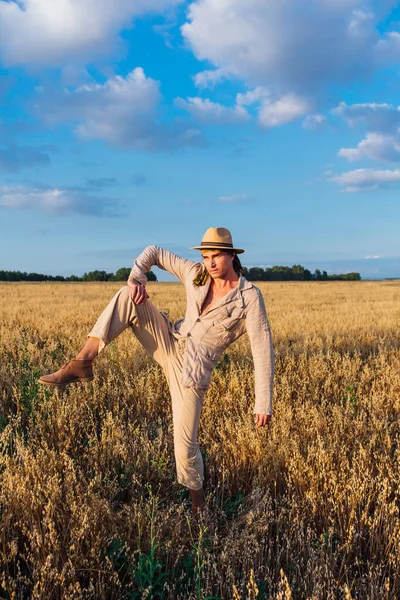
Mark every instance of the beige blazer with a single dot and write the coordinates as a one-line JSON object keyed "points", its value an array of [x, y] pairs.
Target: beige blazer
{"points": [[207, 336]]}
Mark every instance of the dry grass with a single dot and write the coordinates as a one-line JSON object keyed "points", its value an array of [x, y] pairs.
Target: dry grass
{"points": [[89, 506]]}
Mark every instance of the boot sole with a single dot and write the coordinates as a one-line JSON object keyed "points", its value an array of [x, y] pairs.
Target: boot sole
{"points": [[66, 383]]}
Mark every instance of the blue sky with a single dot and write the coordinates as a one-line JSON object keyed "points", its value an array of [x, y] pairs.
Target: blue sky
{"points": [[139, 122]]}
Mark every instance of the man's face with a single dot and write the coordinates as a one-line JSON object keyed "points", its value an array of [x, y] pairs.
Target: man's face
{"points": [[217, 263]]}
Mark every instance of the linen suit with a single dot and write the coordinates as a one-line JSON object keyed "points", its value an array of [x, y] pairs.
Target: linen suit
{"points": [[189, 349]]}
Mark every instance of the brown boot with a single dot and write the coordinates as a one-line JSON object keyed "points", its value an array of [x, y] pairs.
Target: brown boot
{"points": [[74, 370]]}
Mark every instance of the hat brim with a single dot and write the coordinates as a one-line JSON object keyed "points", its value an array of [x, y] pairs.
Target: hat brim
{"points": [[210, 246]]}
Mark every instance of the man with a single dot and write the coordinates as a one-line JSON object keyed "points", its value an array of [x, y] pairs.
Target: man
{"points": [[221, 306]]}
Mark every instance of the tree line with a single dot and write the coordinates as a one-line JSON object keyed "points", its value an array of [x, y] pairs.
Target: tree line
{"points": [[295, 273], [121, 275], [277, 273]]}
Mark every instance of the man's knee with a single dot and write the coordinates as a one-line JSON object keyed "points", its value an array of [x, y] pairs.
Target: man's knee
{"points": [[125, 296], [125, 292]]}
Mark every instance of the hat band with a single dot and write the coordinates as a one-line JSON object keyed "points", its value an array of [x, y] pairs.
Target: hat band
{"points": [[208, 244]]}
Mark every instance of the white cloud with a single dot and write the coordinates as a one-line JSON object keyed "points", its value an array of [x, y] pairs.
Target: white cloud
{"points": [[366, 179], [382, 140], [259, 95], [209, 78], [122, 111], [58, 32], [314, 122], [289, 53], [287, 46], [271, 111], [383, 118], [352, 154], [233, 198], [372, 257], [388, 49], [375, 147], [56, 201], [286, 109], [118, 110], [209, 112]]}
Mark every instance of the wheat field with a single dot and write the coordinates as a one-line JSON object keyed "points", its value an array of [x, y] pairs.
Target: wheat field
{"points": [[308, 509]]}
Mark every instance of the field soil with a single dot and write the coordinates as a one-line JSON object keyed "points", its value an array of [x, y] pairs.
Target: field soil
{"points": [[306, 509]]}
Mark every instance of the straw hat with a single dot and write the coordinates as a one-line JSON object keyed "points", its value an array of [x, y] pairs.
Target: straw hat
{"points": [[217, 238]]}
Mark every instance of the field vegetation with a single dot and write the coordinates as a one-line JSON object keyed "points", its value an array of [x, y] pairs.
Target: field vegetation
{"points": [[89, 504]]}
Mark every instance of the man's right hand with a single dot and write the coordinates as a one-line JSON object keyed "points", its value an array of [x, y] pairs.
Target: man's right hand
{"points": [[138, 293]]}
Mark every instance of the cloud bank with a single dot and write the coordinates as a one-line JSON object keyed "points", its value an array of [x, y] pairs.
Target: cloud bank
{"points": [[380, 144], [366, 179], [208, 112], [288, 53], [122, 111], [57, 201], [59, 32], [291, 46]]}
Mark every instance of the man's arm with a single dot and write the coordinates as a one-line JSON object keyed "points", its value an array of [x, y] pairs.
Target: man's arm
{"points": [[168, 261], [263, 357]]}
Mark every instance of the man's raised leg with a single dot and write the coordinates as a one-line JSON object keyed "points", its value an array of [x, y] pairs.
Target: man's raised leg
{"points": [[119, 314]]}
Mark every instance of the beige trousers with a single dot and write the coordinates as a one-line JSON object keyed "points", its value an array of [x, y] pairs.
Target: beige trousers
{"points": [[151, 329]]}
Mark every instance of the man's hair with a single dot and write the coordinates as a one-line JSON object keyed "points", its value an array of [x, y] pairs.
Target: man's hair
{"points": [[237, 265]]}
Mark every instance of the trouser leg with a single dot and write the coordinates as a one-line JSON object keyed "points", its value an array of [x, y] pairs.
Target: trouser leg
{"points": [[187, 404], [146, 321], [189, 462]]}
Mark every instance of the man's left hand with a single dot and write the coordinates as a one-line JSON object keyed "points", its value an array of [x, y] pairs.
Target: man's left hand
{"points": [[262, 420]]}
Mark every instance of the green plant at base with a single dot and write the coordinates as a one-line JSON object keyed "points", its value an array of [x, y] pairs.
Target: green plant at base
{"points": [[149, 576]]}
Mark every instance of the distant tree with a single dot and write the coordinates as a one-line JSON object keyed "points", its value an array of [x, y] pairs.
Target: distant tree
{"points": [[23, 276], [36, 277], [307, 275], [317, 275], [298, 272], [123, 274], [256, 273], [346, 277], [281, 273], [13, 276], [97, 276]]}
